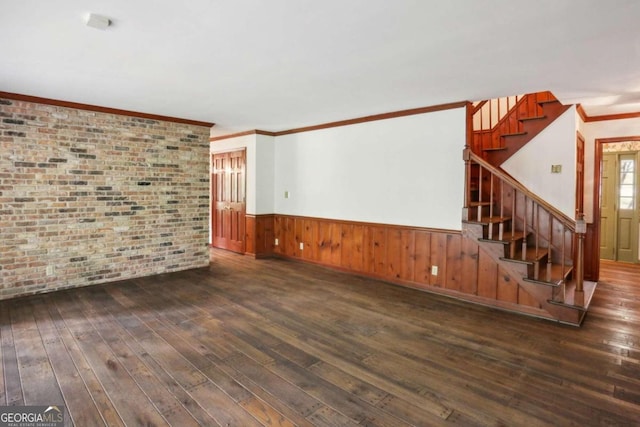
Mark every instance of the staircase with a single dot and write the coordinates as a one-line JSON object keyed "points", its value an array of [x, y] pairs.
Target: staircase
{"points": [[529, 240], [537, 245], [518, 124]]}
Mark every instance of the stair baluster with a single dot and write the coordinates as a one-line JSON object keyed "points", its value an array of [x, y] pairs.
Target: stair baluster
{"points": [[501, 225], [512, 246], [491, 205], [550, 240], [480, 194], [524, 230]]}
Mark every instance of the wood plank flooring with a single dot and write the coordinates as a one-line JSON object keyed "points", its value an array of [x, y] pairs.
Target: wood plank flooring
{"points": [[277, 343]]}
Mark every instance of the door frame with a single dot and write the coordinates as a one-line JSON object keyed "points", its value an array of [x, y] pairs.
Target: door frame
{"points": [[213, 195], [597, 183]]}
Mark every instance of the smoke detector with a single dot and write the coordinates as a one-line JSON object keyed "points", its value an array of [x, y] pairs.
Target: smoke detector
{"points": [[98, 21]]}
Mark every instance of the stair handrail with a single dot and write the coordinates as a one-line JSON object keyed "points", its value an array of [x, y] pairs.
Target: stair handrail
{"points": [[477, 107], [566, 220]]}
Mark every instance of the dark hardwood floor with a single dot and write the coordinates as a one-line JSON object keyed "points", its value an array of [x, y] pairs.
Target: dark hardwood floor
{"points": [[270, 342]]}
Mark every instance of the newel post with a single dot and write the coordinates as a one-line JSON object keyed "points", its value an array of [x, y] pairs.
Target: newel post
{"points": [[467, 182], [466, 156], [581, 230]]}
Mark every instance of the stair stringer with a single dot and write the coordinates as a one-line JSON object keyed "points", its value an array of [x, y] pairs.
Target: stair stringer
{"points": [[518, 271]]}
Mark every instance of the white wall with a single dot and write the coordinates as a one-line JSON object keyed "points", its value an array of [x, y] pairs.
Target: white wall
{"points": [[265, 170], [598, 130], [406, 171], [531, 165]]}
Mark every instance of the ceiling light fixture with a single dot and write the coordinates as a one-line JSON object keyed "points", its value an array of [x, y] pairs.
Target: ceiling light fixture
{"points": [[98, 21]]}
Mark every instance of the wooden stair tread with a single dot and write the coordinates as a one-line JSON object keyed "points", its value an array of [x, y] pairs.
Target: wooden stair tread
{"points": [[548, 101], [531, 255], [507, 237], [510, 236], [570, 292], [476, 204], [526, 119], [556, 274], [486, 220], [494, 149], [513, 134], [495, 219]]}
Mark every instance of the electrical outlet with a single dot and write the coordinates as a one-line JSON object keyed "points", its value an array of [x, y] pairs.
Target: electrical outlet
{"points": [[50, 270], [556, 168], [276, 241], [286, 194], [434, 270], [301, 246]]}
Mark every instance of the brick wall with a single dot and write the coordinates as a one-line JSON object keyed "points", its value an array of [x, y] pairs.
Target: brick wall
{"points": [[89, 197]]}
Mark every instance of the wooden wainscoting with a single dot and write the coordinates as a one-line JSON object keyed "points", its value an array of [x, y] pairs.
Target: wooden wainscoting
{"points": [[259, 235], [399, 254]]}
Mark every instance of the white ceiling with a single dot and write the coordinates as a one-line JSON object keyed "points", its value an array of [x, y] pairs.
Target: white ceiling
{"points": [[281, 64]]}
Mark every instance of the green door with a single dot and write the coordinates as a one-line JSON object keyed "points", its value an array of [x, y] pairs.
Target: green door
{"points": [[627, 234], [619, 207]]}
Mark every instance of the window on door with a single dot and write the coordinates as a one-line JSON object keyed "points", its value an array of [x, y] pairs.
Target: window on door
{"points": [[627, 190]]}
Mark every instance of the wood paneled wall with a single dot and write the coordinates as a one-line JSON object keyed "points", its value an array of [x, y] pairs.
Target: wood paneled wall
{"points": [[259, 235], [400, 254]]}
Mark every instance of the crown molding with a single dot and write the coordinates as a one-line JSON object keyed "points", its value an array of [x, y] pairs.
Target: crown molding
{"points": [[605, 117], [581, 112], [239, 134], [375, 117], [107, 110]]}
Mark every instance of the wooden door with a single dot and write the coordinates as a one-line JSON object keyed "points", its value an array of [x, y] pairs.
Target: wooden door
{"points": [[228, 200], [627, 222], [607, 207]]}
